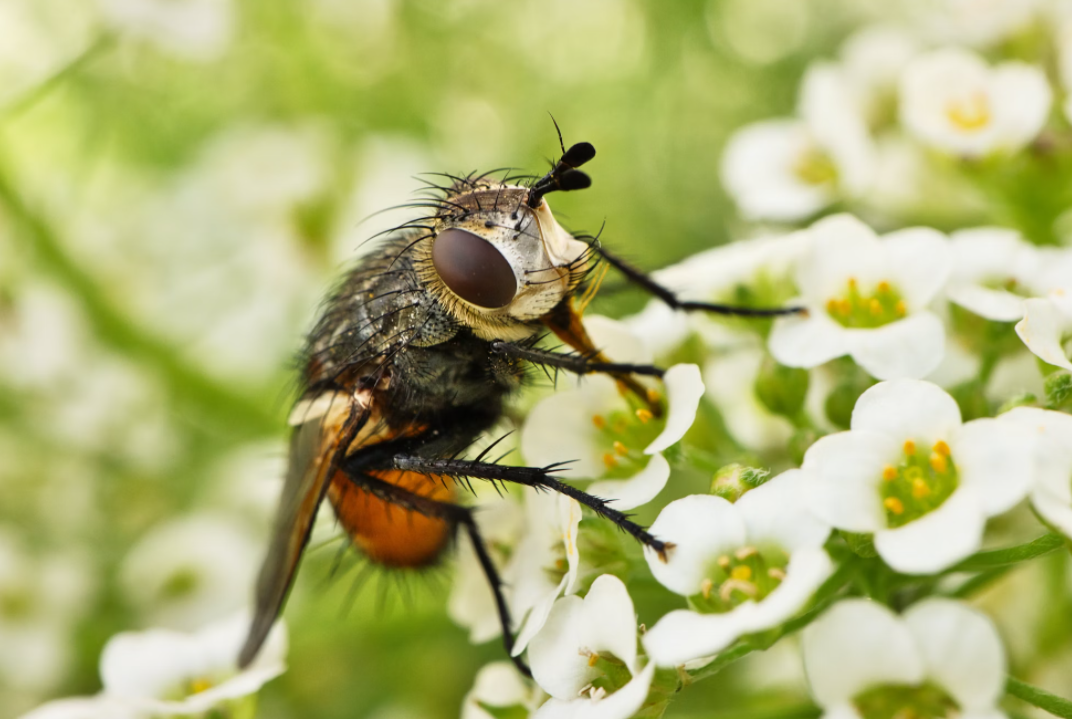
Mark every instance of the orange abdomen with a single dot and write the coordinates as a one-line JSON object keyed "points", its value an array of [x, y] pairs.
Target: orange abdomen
{"points": [[388, 534]]}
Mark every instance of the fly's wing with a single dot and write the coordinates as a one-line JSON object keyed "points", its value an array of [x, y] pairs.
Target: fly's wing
{"points": [[325, 431]]}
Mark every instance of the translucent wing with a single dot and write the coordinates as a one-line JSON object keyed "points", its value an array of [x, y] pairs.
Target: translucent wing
{"points": [[325, 428]]}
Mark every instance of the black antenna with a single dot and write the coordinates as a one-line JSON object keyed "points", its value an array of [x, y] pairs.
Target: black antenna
{"points": [[564, 176]]}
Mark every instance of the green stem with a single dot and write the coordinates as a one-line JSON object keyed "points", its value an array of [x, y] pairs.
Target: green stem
{"points": [[228, 410], [30, 98], [1058, 706], [994, 558]]}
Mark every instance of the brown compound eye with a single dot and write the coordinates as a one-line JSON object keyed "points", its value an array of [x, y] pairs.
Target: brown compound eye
{"points": [[473, 269]]}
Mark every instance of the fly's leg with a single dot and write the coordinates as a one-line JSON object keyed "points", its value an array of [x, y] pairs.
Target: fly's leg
{"points": [[576, 363], [537, 477], [455, 515], [644, 281]]}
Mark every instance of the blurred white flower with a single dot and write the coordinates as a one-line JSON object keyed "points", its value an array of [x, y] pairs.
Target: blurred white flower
{"points": [[786, 170], [609, 435], [36, 38], [95, 707], [867, 298], [911, 473], [730, 378], [191, 570], [993, 270], [585, 656], [191, 29], [248, 481], [952, 101], [972, 22], [745, 567], [1047, 328], [44, 337], [1051, 494], [500, 686], [872, 59], [162, 672], [939, 657], [545, 564]]}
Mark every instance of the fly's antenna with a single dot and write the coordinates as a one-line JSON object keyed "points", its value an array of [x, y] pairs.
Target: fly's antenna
{"points": [[564, 176]]}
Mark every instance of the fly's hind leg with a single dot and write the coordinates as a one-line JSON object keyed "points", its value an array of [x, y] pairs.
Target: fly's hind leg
{"points": [[643, 280], [537, 477], [456, 515], [576, 363]]}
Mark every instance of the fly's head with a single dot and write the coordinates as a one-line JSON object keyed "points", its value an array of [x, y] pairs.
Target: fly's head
{"points": [[498, 260]]}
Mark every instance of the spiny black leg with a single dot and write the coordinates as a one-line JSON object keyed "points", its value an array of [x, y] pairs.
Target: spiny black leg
{"points": [[456, 515], [576, 363], [538, 477], [641, 279]]}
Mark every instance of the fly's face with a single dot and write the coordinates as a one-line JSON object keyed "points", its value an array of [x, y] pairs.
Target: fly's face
{"points": [[497, 263]]}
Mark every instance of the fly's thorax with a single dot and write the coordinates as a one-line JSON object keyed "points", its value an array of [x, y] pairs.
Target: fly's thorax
{"points": [[496, 264]]}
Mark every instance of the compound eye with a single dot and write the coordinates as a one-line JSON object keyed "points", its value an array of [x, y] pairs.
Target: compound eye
{"points": [[473, 269]]}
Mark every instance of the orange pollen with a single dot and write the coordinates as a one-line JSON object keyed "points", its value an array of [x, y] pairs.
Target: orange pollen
{"points": [[894, 505], [909, 447], [852, 283], [653, 395], [644, 415], [875, 307], [610, 460], [883, 287], [742, 572], [939, 463], [900, 308], [940, 447], [889, 473], [620, 449], [592, 659], [919, 489], [599, 421], [845, 307]]}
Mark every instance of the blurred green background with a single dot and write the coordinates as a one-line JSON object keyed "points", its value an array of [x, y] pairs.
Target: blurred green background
{"points": [[177, 191]]}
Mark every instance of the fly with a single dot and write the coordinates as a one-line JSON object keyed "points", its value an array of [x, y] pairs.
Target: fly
{"points": [[414, 357]]}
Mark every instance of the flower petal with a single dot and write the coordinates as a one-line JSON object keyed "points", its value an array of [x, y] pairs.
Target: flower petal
{"points": [[683, 635], [920, 261], [807, 341], [622, 704], [846, 469], [684, 388], [776, 512], [938, 539], [611, 623], [702, 527], [617, 340], [996, 459], [856, 645], [560, 428], [1042, 329], [911, 347], [639, 489], [907, 409], [556, 664], [961, 650], [997, 305]]}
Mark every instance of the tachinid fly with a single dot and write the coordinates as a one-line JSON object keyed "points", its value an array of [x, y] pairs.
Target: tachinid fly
{"points": [[412, 360]]}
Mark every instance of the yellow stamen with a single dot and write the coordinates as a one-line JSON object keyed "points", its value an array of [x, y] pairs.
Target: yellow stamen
{"points": [[969, 114], [844, 307], [939, 463], [610, 460], [724, 562], [620, 448], [920, 489], [705, 588], [599, 421], [592, 659], [731, 585], [742, 572], [883, 287], [775, 573], [746, 552], [909, 447], [889, 473], [900, 308], [644, 415], [832, 305], [941, 447], [199, 685], [894, 505], [654, 395], [875, 307], [852, 283]]}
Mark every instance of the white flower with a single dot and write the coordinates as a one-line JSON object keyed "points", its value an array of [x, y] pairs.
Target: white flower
{"points": [[730, 379], [610, 436], [1047, 328], [37, 37], [191, 29], [867, 298], [497, 685], [164, 672], [786, 170], [872, 59], [585, 656], [191, 570], [972, 22], [993, 269], [745, 567], [96, 707], [912, 474], [940, 657], [952, 101], [1051, 494]]}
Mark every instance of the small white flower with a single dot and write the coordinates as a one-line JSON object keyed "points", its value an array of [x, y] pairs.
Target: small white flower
{"points": [[164, 672], [1046, 328], [786, 170], [940, 657], [497, 685], [978, 23], [745, 567], [993, 269], [1051, 494], [952, 101], [872, 59], [96, 707], [867, 298], [585, 656], [191, 570], [608, 435], [191, 29], [730, 379], [911, 473]]}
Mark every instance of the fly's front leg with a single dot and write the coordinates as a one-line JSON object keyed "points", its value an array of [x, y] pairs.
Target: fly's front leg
{"points": [[455, 515], [537, 477], [643, 280], [576, 363]]}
